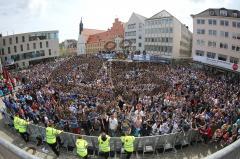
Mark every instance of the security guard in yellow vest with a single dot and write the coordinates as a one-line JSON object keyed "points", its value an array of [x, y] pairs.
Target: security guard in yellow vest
{"points": [[22, 128], [128, 145], [16, 122], [51, 134], [104, 145], [82, 145]]}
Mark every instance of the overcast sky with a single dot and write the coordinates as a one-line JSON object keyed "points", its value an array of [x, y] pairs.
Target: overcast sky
{"points": [[20, 16]]}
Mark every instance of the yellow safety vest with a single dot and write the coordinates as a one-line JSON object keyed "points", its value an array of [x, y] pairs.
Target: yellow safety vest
{"points": [[51, 135], [81, 147], [104, 146], [16, 122], [22, 125], [128, 143]]}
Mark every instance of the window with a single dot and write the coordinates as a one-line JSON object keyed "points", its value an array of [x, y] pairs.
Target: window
{"points": [[10, 41], [28, 47], [200, 21], [4, 42], [200, 31], [234, 24], [49, 52], [238, 24], [46, 43], [233, 47], [224, 34], [40, 44], [23, 63], [234, 60], [5, 58], [235, 15], [23, 39], [200, 42], [9, 50], [222, 57], [16, 40], [34, 45], [212, 22], [212, 32], [15, 49], [212, 12], [223, 45], [131, 26], [211, 55], [224, 23], [236, 36], [212, 44], [199, 53], [3, 51], [139, 44], [223, 13], [21, 47]]}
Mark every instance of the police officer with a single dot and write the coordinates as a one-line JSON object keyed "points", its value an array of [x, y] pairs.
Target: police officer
{"points": [[128, 144], [51, 134], [22, 128], [16, 120], [104, 145], [82, 145]]}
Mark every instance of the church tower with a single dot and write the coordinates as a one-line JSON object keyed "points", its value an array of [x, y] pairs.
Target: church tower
{"points": [[81, 45]]}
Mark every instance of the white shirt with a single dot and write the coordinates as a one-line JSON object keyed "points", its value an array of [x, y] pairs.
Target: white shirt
{"points": [[113, 123], [164, 129], [139, 112], [155, 129], [72, 109]]}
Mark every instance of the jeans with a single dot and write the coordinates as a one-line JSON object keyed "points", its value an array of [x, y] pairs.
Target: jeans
{"points": [[54, 148], [112, 133], [128, 155], [25, 136], [104, 155]]}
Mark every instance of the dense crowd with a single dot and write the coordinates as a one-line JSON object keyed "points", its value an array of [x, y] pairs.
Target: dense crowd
{"points": [[7, 83], [89, 95]]}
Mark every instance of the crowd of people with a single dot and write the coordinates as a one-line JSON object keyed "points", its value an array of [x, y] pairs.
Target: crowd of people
{"points": [[89, 95], [7, 83]]}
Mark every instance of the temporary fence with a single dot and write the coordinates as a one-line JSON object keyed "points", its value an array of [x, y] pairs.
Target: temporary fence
{"points": [[142, 145]]}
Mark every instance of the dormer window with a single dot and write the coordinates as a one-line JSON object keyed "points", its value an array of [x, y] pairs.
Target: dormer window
{"points": [[211, 12], [235, 15], [223, 13]]}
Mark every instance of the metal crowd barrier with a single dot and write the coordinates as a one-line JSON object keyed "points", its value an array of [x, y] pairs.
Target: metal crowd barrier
{"points": [[142, 144]]}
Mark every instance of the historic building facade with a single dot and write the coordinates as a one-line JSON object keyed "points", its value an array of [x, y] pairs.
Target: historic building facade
{"points": [[96, 42]]}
